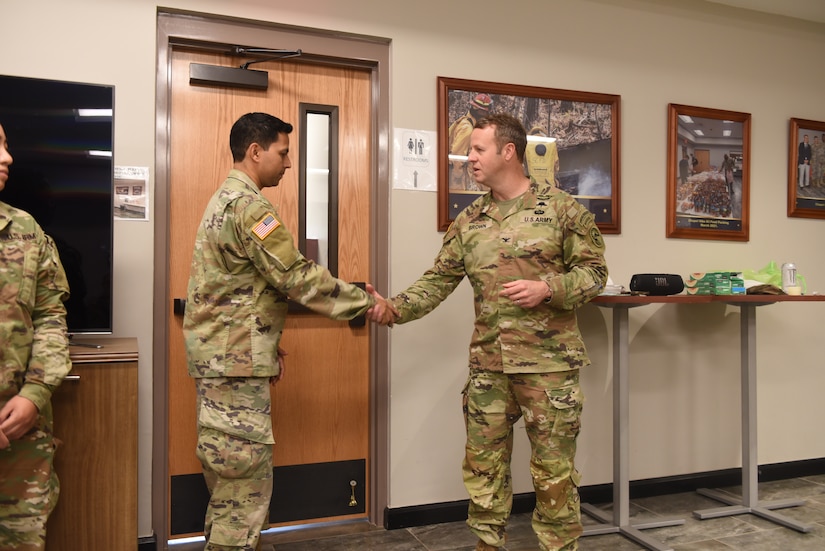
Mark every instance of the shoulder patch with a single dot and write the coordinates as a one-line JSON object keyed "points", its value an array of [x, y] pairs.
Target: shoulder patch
{"points": [[596, 237], [265, 226], [451, 232]]}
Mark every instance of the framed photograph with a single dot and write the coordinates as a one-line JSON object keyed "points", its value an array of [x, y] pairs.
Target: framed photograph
{"points": [[806, 169], [708, 173], [572, 142]]}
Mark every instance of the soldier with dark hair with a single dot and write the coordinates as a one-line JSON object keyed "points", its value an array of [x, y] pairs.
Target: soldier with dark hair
{"points": [[244, 269], [34, 360], [533, 255], [683, 169], [804, 154]]}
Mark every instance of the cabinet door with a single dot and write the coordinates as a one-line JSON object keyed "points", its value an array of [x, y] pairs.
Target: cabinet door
{"points": [[95, 419]]}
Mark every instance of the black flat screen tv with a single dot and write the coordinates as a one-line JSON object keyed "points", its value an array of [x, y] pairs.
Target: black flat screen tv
{"points": [[61, 137]]}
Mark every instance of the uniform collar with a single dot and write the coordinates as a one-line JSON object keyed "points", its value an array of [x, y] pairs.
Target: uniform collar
{"points": [[5, 216], [528, 201], [243, 177]]}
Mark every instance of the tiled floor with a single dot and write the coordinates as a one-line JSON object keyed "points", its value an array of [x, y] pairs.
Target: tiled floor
{"points": [[743, 532]]}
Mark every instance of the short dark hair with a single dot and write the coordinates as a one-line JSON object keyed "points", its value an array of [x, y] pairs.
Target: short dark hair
{"points": [[260, 128], [508, 130]]}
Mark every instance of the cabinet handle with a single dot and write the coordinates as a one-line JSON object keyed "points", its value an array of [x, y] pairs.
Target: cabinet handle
{"points": [[71, 378]]}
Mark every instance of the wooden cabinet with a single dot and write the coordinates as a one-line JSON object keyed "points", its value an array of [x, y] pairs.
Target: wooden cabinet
{"points": [[95, 418]]}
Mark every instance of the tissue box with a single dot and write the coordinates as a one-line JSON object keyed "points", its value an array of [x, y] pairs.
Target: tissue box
{"points": [[714, 283]]}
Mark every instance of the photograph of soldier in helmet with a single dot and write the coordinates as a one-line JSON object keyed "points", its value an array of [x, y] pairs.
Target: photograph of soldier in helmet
{"points": [[569, 145], [459, 138]]}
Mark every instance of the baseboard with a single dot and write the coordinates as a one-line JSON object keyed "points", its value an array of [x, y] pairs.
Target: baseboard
{"points": [[316, 490], [437, 513], [148, 543]]}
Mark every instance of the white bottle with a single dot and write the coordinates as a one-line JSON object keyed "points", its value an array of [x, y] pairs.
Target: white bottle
{"points": [[789, 277]]}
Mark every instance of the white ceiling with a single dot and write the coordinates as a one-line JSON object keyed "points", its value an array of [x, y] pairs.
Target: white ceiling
{"points": [[807, 10]]}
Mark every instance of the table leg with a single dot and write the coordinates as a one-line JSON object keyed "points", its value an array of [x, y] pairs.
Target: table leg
{"points": [[620, 521], [749, 502]]}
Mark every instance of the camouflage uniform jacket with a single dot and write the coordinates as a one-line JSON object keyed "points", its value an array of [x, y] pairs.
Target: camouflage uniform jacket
{"points": [[244, 267], [546, 236], [34, 354]]}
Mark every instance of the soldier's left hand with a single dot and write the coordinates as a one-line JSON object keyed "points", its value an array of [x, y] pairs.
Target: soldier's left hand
{"points": [[281, 366], [526, 293]]}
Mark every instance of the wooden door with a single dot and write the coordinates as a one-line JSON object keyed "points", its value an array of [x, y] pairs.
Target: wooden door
{"points": [[321, 407], [703, 156]]}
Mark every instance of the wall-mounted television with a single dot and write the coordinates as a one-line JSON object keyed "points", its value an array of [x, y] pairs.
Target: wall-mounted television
{"points": [[61, 136]]}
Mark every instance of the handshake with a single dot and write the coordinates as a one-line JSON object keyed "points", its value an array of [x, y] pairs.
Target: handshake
{"points": [[383, 312]]}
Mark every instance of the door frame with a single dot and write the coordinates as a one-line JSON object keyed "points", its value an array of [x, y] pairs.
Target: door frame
{"points": [[210, 32]]}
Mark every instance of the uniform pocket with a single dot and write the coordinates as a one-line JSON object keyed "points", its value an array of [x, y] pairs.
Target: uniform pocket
{"points": [[230, 535], [236, 406], [231, 457], [21, 283], [567, 401]]}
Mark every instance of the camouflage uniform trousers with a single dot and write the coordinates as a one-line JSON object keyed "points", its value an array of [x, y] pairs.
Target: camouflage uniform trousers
{"points": [[233, 418], [29, 488], [551, 405]]}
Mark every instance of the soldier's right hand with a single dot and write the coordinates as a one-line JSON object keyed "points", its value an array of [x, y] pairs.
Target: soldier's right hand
{"points": [[383, 312]]}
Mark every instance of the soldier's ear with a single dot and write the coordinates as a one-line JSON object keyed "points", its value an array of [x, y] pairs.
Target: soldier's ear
{"points": [[253, 152], [509, 150]]}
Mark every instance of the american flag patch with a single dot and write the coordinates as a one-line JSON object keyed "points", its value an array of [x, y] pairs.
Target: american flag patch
{"points": [[265, 226]]}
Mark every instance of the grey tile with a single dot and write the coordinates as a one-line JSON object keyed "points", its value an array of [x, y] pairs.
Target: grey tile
{"points": [[704, 545], [609, 542], [529, 545], [776, 539], [695, 530], [681, 504], [816, 479], [319, 531], [635, 512], [520, 529], [811, 512], [446, 536], [740, 532], [791, 488], [381, 540]]}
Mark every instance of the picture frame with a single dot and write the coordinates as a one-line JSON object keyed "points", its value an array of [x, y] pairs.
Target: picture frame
{"points": [[708, 173], [806, 182], [573, 141]]}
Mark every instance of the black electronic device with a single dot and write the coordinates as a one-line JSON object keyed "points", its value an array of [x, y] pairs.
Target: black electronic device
{"points": [[657, 284], [61, 137]]}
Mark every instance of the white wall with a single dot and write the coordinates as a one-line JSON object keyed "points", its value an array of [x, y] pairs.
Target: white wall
{"points": [[685, 378]]}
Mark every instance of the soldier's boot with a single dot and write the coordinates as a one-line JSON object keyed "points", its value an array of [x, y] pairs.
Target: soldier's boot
{"points": [[482, 546]]}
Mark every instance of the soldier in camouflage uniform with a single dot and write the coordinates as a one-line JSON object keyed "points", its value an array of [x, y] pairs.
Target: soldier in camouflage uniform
{"points": [[533, 255], [244, 268], [34, 359]]}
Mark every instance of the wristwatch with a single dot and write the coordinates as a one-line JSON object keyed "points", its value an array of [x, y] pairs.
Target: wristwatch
{"points": [[549, 297]]}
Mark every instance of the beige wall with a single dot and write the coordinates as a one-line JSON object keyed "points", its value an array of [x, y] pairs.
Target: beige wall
{"points": [[685, 378]]}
